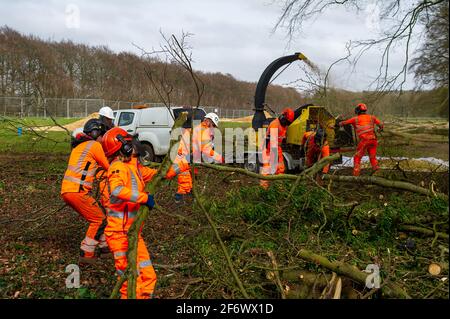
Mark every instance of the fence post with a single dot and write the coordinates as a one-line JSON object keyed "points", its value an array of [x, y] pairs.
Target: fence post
{"points": [[21, 107], [45, 108], [67, 108], [85, 108]]}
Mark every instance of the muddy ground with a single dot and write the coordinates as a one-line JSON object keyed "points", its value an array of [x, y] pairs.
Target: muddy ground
{"points": [[40, 236]]}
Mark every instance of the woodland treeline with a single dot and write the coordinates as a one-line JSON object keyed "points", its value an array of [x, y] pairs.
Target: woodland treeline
{"points": [[33, 67], [30, 66]]}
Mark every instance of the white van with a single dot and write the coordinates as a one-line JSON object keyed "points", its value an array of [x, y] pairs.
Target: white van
{"points": [[153, 126]]}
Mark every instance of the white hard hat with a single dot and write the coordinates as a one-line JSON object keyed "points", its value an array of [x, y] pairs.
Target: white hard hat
{"points": [[106, 111], [213, 117]]}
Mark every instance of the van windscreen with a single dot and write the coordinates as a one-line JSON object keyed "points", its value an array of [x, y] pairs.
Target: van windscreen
{"points": [[199, 114]]}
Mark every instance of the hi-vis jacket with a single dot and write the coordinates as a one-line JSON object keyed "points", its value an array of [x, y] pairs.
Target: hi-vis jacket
{"points": [[202, 141], [281, 130], [364, 125], [182, 159], [83, 163], [126, 182]]}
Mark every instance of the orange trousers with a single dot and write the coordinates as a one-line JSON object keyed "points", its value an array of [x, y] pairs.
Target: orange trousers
{"points": [[371, 147], [271, 165], [146, 281], [88, 207], [184, 178]]}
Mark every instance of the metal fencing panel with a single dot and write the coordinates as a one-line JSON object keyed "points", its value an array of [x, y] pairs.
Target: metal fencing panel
{"points": [[79, 108]]}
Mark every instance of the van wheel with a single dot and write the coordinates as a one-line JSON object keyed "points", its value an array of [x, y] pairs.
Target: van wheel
{"points": [[149, 154]]}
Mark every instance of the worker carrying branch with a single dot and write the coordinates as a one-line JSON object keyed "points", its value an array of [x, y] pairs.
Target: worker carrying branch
{"points": [[86, 156], [364, 125], [126, 183], [272, 153], [202, 147], [316, 147]]}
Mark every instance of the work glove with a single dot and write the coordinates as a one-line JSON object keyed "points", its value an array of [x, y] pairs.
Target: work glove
{"points": [[150, 201]]}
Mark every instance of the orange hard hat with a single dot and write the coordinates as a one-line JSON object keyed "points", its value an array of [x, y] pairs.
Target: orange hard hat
{"points": [[288, 114], [110, 141], [362, 107]]}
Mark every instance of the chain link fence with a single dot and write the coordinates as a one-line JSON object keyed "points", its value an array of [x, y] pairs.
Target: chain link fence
{"points": [[78, 108]]}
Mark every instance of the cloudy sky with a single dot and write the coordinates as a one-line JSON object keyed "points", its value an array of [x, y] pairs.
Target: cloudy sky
{"points": [[229, 36]]}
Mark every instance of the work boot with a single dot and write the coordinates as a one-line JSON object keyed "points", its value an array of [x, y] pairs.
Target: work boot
{"points": [[375, 171], [104, 252], [87, 260], [179, 198]]}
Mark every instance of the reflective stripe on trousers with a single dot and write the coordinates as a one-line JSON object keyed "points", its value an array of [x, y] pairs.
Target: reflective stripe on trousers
{"points": [[77, 180], [117, 214]]}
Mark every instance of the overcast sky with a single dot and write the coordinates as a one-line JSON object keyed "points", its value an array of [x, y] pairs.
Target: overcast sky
{"points": [[229, 36]]}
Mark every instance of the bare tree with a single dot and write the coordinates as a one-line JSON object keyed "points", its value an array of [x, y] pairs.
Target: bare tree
{"points": [[400, 23]]}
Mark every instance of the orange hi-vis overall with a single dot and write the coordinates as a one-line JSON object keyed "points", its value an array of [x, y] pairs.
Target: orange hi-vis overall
{"points": [[272, 154], [364, 125], [77, 183], [203, 144], [314, 152], [126, 182], [180, 166]]}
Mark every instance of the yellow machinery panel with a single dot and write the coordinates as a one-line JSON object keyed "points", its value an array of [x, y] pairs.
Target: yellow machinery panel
{"points": [[308, 121]]}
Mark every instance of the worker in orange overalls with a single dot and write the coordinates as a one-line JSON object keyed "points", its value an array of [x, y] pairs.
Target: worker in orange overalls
{"points": [[180, 167], [316, 147], [364, 125], [272, 153], [87, 154], [202, 146], [126, 182]]}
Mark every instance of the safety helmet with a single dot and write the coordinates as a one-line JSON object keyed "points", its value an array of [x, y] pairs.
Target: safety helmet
{"points": [[361, 108], [288, 114], [94, 128], [116, 139], [106, 111], [213, 117]]}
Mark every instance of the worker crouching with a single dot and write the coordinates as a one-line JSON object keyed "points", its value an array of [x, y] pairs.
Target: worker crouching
{"points": [[126, 180], [86, 156], [316, 147]]}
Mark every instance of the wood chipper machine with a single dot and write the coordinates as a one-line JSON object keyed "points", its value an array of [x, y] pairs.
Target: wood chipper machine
{"points": [[308, 117]]}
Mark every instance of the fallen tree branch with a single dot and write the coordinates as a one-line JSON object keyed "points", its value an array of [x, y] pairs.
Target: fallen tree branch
{"points": [[276, 274], [222, 245], [317, 167], [385, 183], [349, 271], [424, 231]]}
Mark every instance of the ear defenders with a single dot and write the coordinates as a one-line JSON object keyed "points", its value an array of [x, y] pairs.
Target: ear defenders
{"points": [[127, 146]]}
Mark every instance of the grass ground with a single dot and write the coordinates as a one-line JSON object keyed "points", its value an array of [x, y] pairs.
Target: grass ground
{"points": [[39, 238]]}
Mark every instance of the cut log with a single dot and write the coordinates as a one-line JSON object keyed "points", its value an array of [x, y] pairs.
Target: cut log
{"points": [[434, 269]]}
